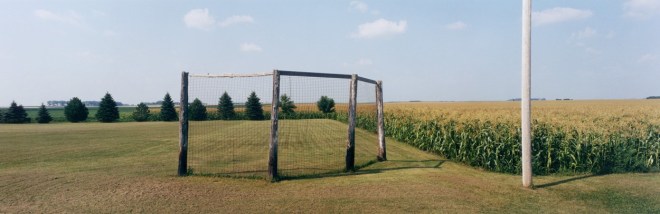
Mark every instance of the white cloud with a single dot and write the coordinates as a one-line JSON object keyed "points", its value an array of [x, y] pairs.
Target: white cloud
{"points": [[232, 20], [364, 62], [641, 8], [648, 58], [69, 18], [359, 6], [379, 28], [459, 25], [559, 14], [586, 33], [610, 35], [199, 18], [250, 47]]}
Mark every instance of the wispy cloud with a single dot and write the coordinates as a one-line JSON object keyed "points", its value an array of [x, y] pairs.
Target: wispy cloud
{"points": [[648, 58], [199, 18], [359, 6], [558, 15], [364, 62], [250, 47], [232, 20], [379, 28], [582, 39], [459, 25], [641, 8], [586, 33], [69, 18]]}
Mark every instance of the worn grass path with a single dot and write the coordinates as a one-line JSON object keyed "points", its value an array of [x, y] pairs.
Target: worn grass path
{"points": [[130, 167]]}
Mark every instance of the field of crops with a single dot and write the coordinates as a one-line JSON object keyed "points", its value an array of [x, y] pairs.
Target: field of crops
{"points": [[568, 136]]}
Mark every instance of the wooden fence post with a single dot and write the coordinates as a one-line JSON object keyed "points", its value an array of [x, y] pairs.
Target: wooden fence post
{"points": [[382, 152], [183, 126], [272, 155], [350, 144]]}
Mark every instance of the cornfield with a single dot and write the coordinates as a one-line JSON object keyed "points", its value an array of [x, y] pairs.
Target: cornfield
{"points": [[568, 136]]}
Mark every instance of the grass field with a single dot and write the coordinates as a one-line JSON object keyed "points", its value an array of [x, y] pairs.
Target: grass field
{"points": [[306, 147], [131, 167]]}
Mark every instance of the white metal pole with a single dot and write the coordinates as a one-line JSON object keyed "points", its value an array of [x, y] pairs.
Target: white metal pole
{"points": [[526, 103]]}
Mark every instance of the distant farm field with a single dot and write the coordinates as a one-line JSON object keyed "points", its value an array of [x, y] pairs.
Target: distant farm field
{"points": [[567, 136], [602, 116], [131, 167]]}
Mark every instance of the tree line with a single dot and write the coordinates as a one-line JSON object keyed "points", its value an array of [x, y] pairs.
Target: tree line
{"points": [[76, 110], [53, 103]]}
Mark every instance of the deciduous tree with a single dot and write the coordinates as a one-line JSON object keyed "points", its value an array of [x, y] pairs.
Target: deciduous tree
{"points": [[75, 111], [141, 113], [326, 104], [197, 110]]}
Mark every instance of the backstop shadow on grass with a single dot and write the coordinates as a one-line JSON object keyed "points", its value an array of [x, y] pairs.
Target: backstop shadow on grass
{"points": [[367, 168]]}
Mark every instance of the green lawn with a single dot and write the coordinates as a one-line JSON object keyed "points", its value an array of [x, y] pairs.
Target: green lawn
{"points": [[306, 147], [131, 167]]}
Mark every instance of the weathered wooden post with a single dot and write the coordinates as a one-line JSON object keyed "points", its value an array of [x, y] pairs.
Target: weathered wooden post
{"points": [[183, 126], [382, 152], [350, 144], [272, 154], [526, 103]]}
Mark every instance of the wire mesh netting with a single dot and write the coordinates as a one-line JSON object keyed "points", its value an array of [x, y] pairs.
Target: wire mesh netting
{"points": [[233, 145], [312, 136]]}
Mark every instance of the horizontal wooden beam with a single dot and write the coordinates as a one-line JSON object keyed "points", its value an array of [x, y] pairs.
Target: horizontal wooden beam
{"points": [[323, 75]]}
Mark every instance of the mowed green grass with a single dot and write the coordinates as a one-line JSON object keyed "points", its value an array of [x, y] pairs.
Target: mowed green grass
{"points": [[131, 167], [306, 147]]}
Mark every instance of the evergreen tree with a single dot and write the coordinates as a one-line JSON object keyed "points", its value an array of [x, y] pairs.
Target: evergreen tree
{"points": [[253, 108], [141, 112], [16, 114], [326, 104], [287, 104], [226, 107], [43, 116], [167, 111], [108, 111], [197, 110], [75, 111], [2, 116]]}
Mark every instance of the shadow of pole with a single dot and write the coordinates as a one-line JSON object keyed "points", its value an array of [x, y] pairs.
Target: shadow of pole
{"points": [[564, 181]]}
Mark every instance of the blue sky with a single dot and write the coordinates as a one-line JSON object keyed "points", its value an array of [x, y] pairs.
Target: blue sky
{"points": [[422, 50]]}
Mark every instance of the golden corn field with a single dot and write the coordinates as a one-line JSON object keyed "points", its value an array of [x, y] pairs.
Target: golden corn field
{"points": [[568, 136], [601, 116]]}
